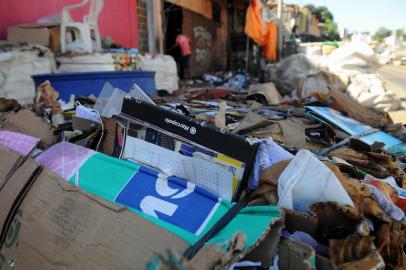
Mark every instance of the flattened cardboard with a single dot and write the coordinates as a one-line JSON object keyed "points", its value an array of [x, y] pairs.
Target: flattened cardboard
{"points": [[60, 227], [46, 34], [322, 263], [12, 188], [31, 35], [357, 252], [109, 136], [267, 249], [297, 221], [293, 134], [54, 39], [25, 121], [295, 255], [54, 225], [8, 161]]}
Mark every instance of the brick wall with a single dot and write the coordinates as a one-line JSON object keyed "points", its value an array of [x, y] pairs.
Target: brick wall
{"points": [[142, 26]]}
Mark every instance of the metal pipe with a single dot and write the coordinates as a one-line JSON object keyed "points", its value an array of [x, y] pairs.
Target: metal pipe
{"points": [[150, 25], [280, 28]]}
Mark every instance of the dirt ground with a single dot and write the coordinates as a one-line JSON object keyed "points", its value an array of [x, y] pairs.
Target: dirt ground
{"points": [[394, 78]]}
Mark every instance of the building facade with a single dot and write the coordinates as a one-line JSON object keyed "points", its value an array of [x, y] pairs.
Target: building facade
{"points": [[215, 27]]}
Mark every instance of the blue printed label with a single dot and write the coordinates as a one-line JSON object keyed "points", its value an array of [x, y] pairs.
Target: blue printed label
{"points": [[172, 199]]}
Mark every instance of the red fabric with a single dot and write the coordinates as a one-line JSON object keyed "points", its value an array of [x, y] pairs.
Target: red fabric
{"points": [[390, 194], [184, 44]]}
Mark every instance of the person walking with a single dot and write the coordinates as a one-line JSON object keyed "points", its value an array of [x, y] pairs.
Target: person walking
{"points": [[184, 44]]}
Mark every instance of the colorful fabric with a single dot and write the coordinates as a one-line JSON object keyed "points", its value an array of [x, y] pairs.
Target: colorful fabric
{"points": [[268, 154], [18, 142], [255, 27], [386, 204], [263, 33], [389, 188], [173, 203], [184, 44], [270, 48], [126, 61]]}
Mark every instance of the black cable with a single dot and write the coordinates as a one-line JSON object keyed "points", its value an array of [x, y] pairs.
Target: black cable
{"points": [[192, 250]]}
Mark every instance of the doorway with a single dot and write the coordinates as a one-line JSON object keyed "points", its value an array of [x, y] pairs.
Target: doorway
{"points": [[173, 22]]}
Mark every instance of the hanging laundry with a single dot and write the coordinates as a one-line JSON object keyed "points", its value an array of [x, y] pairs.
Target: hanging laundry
{"points": [[255, 27], [263, 33], [270, 48]]}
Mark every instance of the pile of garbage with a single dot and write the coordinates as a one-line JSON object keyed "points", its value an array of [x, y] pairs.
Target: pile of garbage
{"points": [[17, 63], [351, 68], [230, 81], [205, 178]]}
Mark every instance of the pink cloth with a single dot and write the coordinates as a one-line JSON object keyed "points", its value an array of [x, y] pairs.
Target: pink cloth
{"points": [[65, 158], [184, 44], [18, 142]]}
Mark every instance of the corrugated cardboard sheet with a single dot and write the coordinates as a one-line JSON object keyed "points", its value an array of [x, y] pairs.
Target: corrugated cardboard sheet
{"points": [[60, 227], [49, 224], [25, 121]]}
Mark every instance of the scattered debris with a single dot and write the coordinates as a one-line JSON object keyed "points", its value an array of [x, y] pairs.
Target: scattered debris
{"points": [[301, 168]]}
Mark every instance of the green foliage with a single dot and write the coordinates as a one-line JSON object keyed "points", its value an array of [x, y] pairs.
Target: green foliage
{"points": [[329, 30], [381, 33], [400, 33], [311, 7], [324, 14]]}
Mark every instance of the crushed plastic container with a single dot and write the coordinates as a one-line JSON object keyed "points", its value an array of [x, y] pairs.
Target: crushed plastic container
{"points": [[110, 101], [91, 83]]}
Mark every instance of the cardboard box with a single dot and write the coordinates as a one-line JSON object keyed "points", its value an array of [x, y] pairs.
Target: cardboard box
{"points": [[49, 224], [7, 165], [297, 221], [268, 248], [44, 34], [323, 263], [294, 255], [27, 122], [109, 136], [55, 39]]}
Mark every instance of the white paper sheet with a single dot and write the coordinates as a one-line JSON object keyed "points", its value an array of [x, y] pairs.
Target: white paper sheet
{"points": [[206, 174], [86, 113]]}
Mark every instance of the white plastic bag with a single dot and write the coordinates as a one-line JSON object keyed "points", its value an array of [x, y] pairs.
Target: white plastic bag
{"points": [[307, 180], [166, 73]]}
